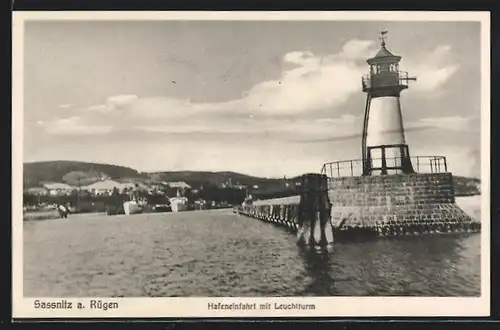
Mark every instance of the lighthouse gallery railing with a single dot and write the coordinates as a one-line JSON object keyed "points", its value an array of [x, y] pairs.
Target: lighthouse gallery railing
{"points": [[390, 79], [354, 167]]}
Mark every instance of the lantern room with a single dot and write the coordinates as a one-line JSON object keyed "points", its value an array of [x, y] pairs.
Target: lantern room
{"points": [[385, 78]]}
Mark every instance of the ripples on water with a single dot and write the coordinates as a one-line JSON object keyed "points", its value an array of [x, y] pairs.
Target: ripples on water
{"points": [[217, 253]]}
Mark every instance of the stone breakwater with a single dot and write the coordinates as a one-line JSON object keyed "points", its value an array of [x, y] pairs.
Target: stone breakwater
{"points": [[282, 211], [374, 206], [397, 205]]}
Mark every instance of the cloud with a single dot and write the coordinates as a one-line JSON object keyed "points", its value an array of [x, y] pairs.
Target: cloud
{"points": [[309, 87], [65, 106], [113, 105], [357, 49], [341, 129], [358, 136], [461, 160], [73, 126], [101, 108], [121, 100], [302, 58], [453, 123], [433, 70], [282, 129]]}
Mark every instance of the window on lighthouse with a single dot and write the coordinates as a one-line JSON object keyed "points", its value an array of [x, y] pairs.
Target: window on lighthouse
{"points": [[384, 67]]}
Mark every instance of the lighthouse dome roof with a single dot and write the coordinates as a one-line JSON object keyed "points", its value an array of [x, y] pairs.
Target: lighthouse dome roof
{"points": [[384, 55], [384, 52]]}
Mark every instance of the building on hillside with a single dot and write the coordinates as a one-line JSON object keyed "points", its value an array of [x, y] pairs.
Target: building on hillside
{"points": [[141, 186], [133, 183], [177, 184], [59, 189], [156, 189], [104, 176], [37, 191], [180, 186], [125, 186], [104, 188]]}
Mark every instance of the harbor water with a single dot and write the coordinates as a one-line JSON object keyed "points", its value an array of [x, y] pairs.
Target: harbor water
{"points": [[218, 253]]}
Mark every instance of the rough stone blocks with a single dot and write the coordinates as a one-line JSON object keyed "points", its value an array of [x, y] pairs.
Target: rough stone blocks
{"points": [[409, 198]]}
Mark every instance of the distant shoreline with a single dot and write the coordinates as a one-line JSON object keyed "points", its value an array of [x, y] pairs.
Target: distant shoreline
{"points": [[469, 204], [48, 215], [54, 215]]}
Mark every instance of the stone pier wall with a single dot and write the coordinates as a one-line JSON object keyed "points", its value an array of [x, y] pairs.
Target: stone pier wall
{"points": [[408, 199], [371, 206], [282, 211]]}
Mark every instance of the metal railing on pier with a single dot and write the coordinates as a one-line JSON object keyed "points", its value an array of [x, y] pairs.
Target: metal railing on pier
{"points": [[354, 167]]}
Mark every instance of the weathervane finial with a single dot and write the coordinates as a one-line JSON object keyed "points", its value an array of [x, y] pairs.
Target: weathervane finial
{"points": [[383, 37]]}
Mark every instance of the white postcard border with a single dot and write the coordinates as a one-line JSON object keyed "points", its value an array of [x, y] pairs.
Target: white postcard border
{"points": [[198, 307]]}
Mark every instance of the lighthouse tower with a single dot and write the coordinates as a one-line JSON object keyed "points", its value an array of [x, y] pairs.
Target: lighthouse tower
{"points": [[384, 149]]}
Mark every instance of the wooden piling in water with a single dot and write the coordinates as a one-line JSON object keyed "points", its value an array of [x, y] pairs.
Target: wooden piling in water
{"points": [[314, 208]]}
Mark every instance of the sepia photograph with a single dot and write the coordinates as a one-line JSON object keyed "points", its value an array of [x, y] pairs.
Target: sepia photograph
{"points": [[261, 165]]}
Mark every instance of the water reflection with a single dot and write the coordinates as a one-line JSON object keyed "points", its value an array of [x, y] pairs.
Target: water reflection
{"points": [[318, 265], [404, 266]]}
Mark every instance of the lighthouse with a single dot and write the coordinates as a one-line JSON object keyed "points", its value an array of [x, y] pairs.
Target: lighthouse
{"points": [[384, 147]]}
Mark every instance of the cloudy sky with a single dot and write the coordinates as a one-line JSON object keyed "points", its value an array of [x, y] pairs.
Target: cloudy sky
{"points": [[262, 98]]}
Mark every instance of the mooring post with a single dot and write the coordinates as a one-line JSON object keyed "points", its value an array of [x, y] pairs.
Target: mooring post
{"points": [[306, 214], [314, 206], [302, 215], [324, 207]]}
